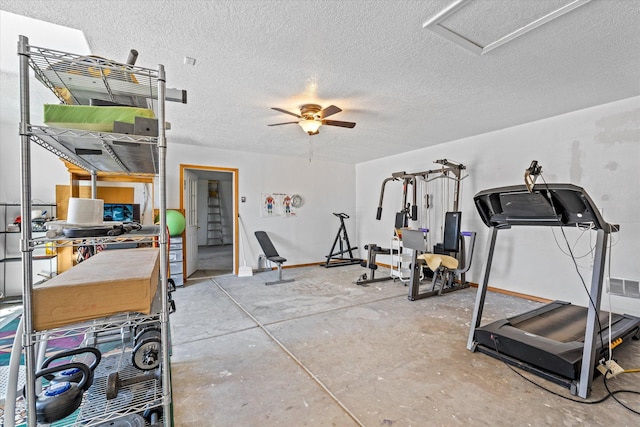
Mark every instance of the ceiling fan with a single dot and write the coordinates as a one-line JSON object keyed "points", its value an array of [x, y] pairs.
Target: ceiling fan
{"points": [[312, 116]]}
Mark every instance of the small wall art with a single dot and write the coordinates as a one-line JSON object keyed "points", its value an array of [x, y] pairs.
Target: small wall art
{"points": [[277, 205]]}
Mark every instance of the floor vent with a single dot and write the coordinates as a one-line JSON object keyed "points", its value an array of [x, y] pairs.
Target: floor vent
{"points": [[623, 287]]}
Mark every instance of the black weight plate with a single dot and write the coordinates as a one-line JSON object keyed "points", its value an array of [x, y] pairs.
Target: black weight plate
{"points": [[153, 333], [140, 329], [113, 385]]}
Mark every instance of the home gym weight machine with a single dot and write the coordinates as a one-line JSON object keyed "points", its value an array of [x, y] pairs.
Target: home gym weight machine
{"points": [[449, 170], [410, 181]]}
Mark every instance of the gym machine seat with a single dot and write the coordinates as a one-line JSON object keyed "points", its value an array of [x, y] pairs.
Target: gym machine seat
{"points": [[559, 341], [444, 265], [447, 267], [272, 255]]}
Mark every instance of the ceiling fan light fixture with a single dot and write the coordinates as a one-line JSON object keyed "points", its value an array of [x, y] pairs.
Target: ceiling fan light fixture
{"points": [[312, 116], [310, 126]]}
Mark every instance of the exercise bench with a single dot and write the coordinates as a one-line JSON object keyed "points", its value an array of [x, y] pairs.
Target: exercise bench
{"points": [[272, 255]]}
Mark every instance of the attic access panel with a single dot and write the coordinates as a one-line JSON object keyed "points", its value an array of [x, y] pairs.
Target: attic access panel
{"points": [[482, 25]]}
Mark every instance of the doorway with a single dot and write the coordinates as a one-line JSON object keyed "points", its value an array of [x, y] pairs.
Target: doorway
{"points": [[208, 196]]}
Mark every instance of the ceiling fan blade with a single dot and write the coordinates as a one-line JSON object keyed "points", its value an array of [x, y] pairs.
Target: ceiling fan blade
{"points": [[338, 123], [330, 110], [285, 123], [286, 112]]}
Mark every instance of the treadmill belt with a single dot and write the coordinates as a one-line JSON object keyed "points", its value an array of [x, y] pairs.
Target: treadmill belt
{"points": [[550, 339], [567, 323]]}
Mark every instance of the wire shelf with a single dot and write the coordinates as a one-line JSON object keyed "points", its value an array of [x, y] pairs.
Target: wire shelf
{"points": [[100, 151], [85, 80], [77, 79], [103, 325], [147, 234], [132, 399], [96, 409]]}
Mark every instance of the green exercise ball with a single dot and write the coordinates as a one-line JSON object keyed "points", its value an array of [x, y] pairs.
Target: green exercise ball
{"points": [[175, 222]]}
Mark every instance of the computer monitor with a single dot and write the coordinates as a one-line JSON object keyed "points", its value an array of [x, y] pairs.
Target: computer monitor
{"points": [[121, 212]]}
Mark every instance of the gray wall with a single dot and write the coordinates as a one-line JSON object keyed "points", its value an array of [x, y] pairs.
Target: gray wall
{"points": [[302, 239]]}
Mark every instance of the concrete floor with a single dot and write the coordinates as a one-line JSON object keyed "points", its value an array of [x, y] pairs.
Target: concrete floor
{"points": [[322, 351], [214, 261]]}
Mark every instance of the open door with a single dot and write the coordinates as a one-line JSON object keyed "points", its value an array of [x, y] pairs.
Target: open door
{"points": [[194, 198], [190, 186]]}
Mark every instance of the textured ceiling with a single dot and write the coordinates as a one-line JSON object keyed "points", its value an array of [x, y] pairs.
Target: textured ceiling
{"points": [[405, 86]]}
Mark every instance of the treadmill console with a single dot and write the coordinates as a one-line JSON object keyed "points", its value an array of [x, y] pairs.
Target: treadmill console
{"points": [[545, 205]]}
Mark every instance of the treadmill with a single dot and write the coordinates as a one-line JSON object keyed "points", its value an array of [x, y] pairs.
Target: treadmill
{"points": [[560, 342]]}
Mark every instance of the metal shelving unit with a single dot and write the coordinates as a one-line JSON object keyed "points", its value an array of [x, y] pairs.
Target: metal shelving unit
{"points": [[9, 238], [78, 79]]}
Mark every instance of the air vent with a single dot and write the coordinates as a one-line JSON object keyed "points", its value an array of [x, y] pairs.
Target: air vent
{"points": [[623, 287]]}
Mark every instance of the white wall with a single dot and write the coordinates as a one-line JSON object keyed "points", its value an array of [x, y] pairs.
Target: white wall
{"points": [[596, 148], [305, 238], [46, 169]]}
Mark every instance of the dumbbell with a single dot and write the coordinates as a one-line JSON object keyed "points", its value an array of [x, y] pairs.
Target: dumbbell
{"points": [[147, 345], [115, 383], [153, 416], [171, 287], [131, 420]]}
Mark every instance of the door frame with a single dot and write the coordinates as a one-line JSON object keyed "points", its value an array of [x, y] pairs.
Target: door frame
{"points": [[234, 172]]}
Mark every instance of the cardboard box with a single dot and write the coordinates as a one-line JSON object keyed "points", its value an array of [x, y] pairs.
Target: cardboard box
{"points": [[110, 282]]}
